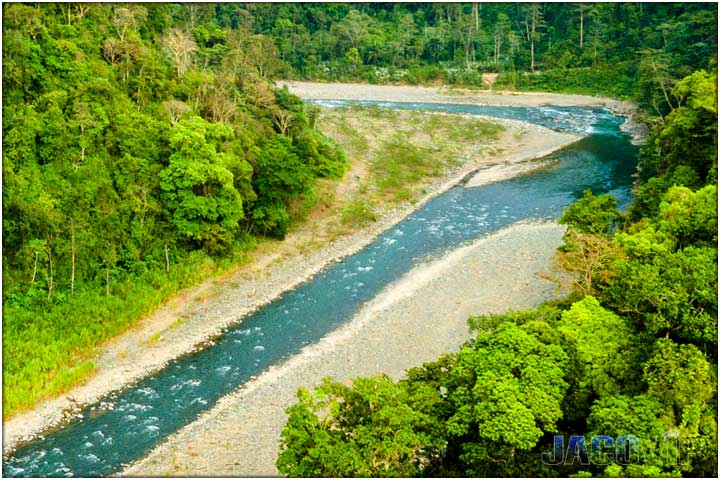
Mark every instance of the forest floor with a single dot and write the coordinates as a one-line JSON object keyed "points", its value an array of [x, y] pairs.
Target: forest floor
{"points": [[338, 225]]}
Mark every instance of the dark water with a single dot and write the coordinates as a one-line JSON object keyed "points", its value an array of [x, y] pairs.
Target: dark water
{"points": [[127, 424]]}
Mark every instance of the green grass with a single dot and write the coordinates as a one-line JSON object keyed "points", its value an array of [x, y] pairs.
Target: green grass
{"points": [[152, 341], [67, 379], [472, 130], [178, 323], [48, 346], [398, 164], [420, 146], [357, 213], [353, 139]]}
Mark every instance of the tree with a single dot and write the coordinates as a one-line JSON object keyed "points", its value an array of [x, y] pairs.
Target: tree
{"points": [[688, 136], [506, 390], [467, 29], [591, 214], [126, 18], [602, 343], [581, 13], [502, 31], [533, 21], [175, 110], [352, 57], [637, 416], [198, 190], [354, 28], [679, 376], [279, 175], [372, 427], [182, 47], [674, 295]]}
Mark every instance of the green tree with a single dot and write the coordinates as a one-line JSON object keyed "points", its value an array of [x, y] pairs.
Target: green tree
{"points": [[592, 214], [198, 190], [373, 428], [602, 343], [279, 175]]}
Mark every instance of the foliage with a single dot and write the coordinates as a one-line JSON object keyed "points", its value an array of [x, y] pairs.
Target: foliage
{"points": [[616, 80], [688, 135], [142, 152], [395, 431], [601, 344], [505, 391], [633, 51], [591, 214], [494, 397], [196, 185]]}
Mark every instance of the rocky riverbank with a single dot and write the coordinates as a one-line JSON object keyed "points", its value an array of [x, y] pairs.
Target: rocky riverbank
{"points": [[412, 321], [406, 93]]}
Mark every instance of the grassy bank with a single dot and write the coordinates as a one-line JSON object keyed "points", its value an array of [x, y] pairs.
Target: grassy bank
{"points": [[616, 81], [395, 153], [46, 354]]}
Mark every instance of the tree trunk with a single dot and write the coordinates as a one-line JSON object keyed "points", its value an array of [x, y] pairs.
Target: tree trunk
{"points": [[532, 53], [50, 271], [531, 34], [467, 53], [107, 281], [167, 260], [662, 86], [37, 254], [72, 251], [582, 24]]}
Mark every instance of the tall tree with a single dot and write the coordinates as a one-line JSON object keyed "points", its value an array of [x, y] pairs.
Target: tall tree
{"points": [[534, 21]]}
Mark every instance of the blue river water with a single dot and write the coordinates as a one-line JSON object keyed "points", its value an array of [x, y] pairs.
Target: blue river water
{"points": [[126, 424]]}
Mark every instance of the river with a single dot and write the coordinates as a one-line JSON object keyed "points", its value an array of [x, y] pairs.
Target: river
{"points": [[127, 424]]}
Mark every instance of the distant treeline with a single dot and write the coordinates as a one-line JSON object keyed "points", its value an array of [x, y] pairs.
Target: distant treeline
{"points": [[621, 49]]}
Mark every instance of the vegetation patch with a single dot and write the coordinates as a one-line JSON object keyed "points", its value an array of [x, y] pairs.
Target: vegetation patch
{"points": [[404, 150], [358, 213]]}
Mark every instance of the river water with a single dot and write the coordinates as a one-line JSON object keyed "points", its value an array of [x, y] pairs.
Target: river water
{"points": [[128, 423]]}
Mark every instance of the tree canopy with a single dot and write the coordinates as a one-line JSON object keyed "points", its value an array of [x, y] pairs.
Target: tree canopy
{"points": [[143, 145]]}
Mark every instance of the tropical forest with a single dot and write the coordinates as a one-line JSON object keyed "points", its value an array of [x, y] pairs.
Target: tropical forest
{"points": [[360, 239]]}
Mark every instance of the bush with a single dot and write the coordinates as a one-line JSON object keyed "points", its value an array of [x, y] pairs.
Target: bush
{"points": [[613, 80]]}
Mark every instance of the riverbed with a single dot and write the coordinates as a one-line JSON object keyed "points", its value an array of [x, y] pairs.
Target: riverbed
{"points": [[139, 417]]}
